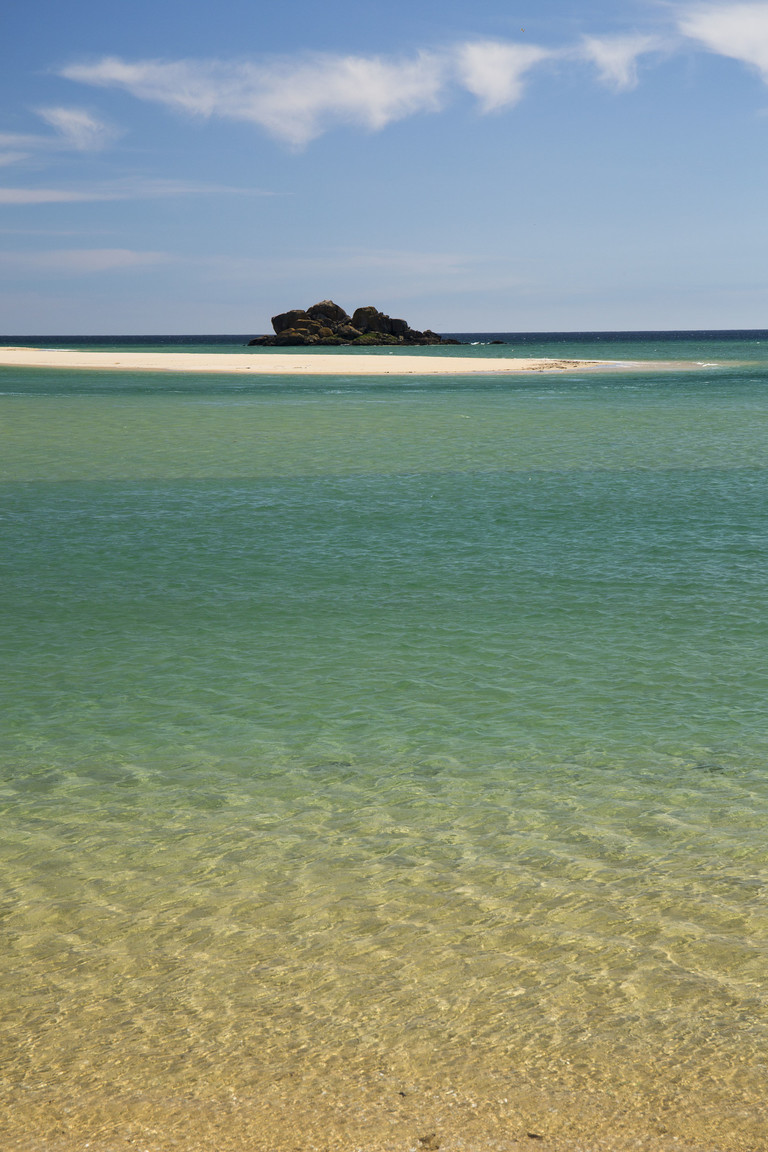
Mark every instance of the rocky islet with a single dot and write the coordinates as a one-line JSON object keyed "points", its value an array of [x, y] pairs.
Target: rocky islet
{"points": [[327, 323]]}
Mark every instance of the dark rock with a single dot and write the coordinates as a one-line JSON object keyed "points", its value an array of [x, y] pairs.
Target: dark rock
{"points": [[304, 324], [287, 319], [293, 337], [347, 332], [327, 310], [368, 319], [327, 323]]}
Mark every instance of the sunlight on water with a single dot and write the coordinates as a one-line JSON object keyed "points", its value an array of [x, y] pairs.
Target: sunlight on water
{"points": [[383, 762]]}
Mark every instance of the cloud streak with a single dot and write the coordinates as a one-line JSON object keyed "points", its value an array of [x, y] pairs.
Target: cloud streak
{"points": [[122, 190], [79, 261], [50, 196], [7, 158]]}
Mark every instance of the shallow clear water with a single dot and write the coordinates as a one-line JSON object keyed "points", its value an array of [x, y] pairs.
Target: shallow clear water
{"points": [[384, 759]]}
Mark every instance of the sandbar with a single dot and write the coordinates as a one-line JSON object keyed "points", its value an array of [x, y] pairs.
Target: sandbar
{"points": [[286, 363]]}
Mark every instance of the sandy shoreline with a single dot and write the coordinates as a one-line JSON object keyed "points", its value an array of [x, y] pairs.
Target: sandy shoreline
{"points": [[285, 363]]}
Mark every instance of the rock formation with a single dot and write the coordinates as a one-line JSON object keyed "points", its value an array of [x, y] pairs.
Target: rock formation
{"points": [[327, 323]]}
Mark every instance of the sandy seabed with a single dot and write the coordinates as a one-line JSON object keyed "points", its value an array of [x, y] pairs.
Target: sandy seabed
{"points": [[285, 363], [287, 1112]]}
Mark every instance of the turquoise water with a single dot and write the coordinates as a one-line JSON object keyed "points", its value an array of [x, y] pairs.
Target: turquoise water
{"points": [[385, 758]]}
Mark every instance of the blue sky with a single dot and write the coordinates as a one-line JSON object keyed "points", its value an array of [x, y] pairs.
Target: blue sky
{"points": [[547, 165]]}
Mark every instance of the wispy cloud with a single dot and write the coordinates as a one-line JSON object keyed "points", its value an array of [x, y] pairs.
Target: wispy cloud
{"points": [[616, 57], [78, 261], [736, 30], [129, 189], [78, 128], [75, 130], [297, 100], [293, 100], [494, 71]]}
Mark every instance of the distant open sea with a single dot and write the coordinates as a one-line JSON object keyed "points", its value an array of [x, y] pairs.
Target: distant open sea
{"points": [[385, 762]]}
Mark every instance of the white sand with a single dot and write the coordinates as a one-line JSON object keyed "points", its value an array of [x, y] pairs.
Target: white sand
{"points": [[283, 363]]}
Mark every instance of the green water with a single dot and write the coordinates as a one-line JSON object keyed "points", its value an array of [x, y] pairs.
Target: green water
{"points": [[391, 748]]}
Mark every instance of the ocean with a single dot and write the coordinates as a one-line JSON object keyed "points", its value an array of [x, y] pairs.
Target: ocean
{"points": [[385, 762]]}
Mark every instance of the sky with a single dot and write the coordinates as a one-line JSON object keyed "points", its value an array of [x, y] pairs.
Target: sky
{"points": [[507, 165]]}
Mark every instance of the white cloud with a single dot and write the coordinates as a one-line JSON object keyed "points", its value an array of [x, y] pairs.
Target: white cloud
{"points": [[369, 92], [493, 70], [616, 57], [78, 128], [294, 101], [75, 261], [7, 158], [736, 30]]}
